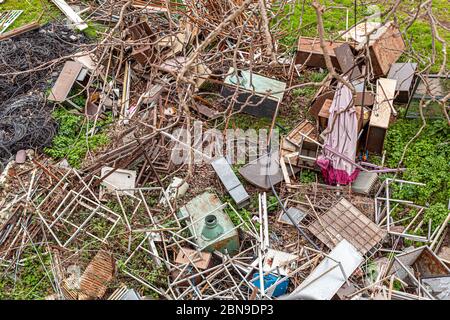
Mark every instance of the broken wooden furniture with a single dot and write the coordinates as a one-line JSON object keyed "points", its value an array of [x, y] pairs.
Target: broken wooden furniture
{"points": [[231, 182], [257, 95], [299, 148], [143, 53], [95, 279], [310, 53], [364, 96], [210, 224], [381, 115], [73, 75], [386, 44], [347, 61], [324, 115], [190, 262], [405, 74], [325, 92]]}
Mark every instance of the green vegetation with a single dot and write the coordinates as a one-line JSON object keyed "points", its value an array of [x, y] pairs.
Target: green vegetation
{"points": [[307, 92], [243, 213], [426, 160], [31, 282], [244, 121], [418, 35], [437, 213], [94, 30], [32, 11], [307, 176], [143, 266], [73, 141]]}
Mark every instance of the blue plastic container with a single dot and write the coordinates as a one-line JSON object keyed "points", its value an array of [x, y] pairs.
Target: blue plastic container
{"points": [[269, 280]]}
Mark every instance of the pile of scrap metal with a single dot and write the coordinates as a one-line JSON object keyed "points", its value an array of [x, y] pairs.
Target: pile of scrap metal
{"points": [[134, 222]]}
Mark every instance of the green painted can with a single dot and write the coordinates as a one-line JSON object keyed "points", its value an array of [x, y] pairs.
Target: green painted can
{"points": [[212, 226]]}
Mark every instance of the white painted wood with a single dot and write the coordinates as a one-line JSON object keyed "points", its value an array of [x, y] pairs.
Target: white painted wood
{"points": [[71, 14], [383, 103]]}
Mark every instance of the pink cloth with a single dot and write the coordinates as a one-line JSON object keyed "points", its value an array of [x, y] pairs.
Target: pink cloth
{"points": [[342, 139]]}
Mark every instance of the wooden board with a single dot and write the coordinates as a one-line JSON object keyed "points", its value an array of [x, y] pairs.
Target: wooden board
{"points": [[202, 260], [325, 110], [95, 279], [383, 103], [72, 15], [347, 61], [65, 81], [310, 53]]}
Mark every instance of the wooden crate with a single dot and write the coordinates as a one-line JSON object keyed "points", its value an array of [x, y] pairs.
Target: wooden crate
{"points": [[310, 53], [386, 49]]}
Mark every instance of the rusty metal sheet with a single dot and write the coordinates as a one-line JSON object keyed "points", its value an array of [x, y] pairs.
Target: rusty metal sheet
{"points": [[65, 81], [423, 261], [97, 275]]}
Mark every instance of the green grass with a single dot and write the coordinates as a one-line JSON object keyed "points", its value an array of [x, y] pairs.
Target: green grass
{"points": [[94, 30], [71, 142], [32, 281], [426, 160], [419, 34], [32, 11]]}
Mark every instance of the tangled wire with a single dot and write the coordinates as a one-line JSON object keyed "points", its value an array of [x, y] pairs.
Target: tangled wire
{"points": [[25, 123], [29, 51]]}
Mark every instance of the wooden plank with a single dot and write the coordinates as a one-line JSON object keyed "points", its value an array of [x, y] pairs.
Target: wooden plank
{"points": [[309, 52], [202, 260], [383, 103], [71, 14], [347, 61], [65, 81], [285, 172], [19, 30]]}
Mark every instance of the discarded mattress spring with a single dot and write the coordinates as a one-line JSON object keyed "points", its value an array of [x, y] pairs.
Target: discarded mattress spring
{"points": [[25, 123], [30, 51]]}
